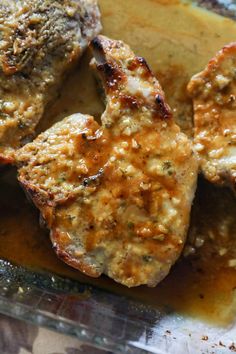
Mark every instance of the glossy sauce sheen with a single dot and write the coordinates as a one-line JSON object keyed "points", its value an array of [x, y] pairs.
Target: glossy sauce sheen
{"points": [[177, 41]]}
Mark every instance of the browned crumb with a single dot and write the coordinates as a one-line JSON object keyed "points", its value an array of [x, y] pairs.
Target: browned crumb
{"points": [[204, 337], [232, 347]]}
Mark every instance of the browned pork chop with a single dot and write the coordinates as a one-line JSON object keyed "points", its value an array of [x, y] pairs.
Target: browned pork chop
{"points": [[116, 196], [39, 41], [214, 98]]}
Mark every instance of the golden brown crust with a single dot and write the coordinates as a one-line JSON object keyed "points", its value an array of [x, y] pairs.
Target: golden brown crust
{"points": [[121, 192], [41, 200], [214, 98], [59, 244]]}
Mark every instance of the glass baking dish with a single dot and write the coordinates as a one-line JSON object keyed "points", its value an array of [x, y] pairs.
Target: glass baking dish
{"points": [[106, 320]]}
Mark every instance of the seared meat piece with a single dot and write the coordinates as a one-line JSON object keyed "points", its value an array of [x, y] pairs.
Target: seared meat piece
{"points": [[40, 40], [116, 196], [214, 98]]}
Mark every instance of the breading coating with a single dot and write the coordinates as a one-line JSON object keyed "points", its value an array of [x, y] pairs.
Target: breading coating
{"points": [[116, 196], [214, 98]]}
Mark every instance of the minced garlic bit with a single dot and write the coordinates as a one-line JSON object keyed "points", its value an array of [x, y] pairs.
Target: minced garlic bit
{"points": [[213, 94], [232, 263], [222, 251]]}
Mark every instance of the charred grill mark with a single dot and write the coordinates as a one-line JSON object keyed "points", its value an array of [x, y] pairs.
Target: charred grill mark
{"points": [[86, 137], [93, 179], [108, 70], [140, 61], [112, 75], [143, 62], [162, 108], [96, 44]]}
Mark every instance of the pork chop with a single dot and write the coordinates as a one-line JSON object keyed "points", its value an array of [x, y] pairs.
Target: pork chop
{"points": [[40, 41], [214, 98], [116, 196]]}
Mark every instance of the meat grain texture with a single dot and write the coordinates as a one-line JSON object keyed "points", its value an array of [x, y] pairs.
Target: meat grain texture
{"points": [[214, 98], [117, 195], [40, 40]]}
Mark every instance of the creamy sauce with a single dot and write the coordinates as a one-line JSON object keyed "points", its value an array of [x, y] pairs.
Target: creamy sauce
{"points": [[177, 41]]}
